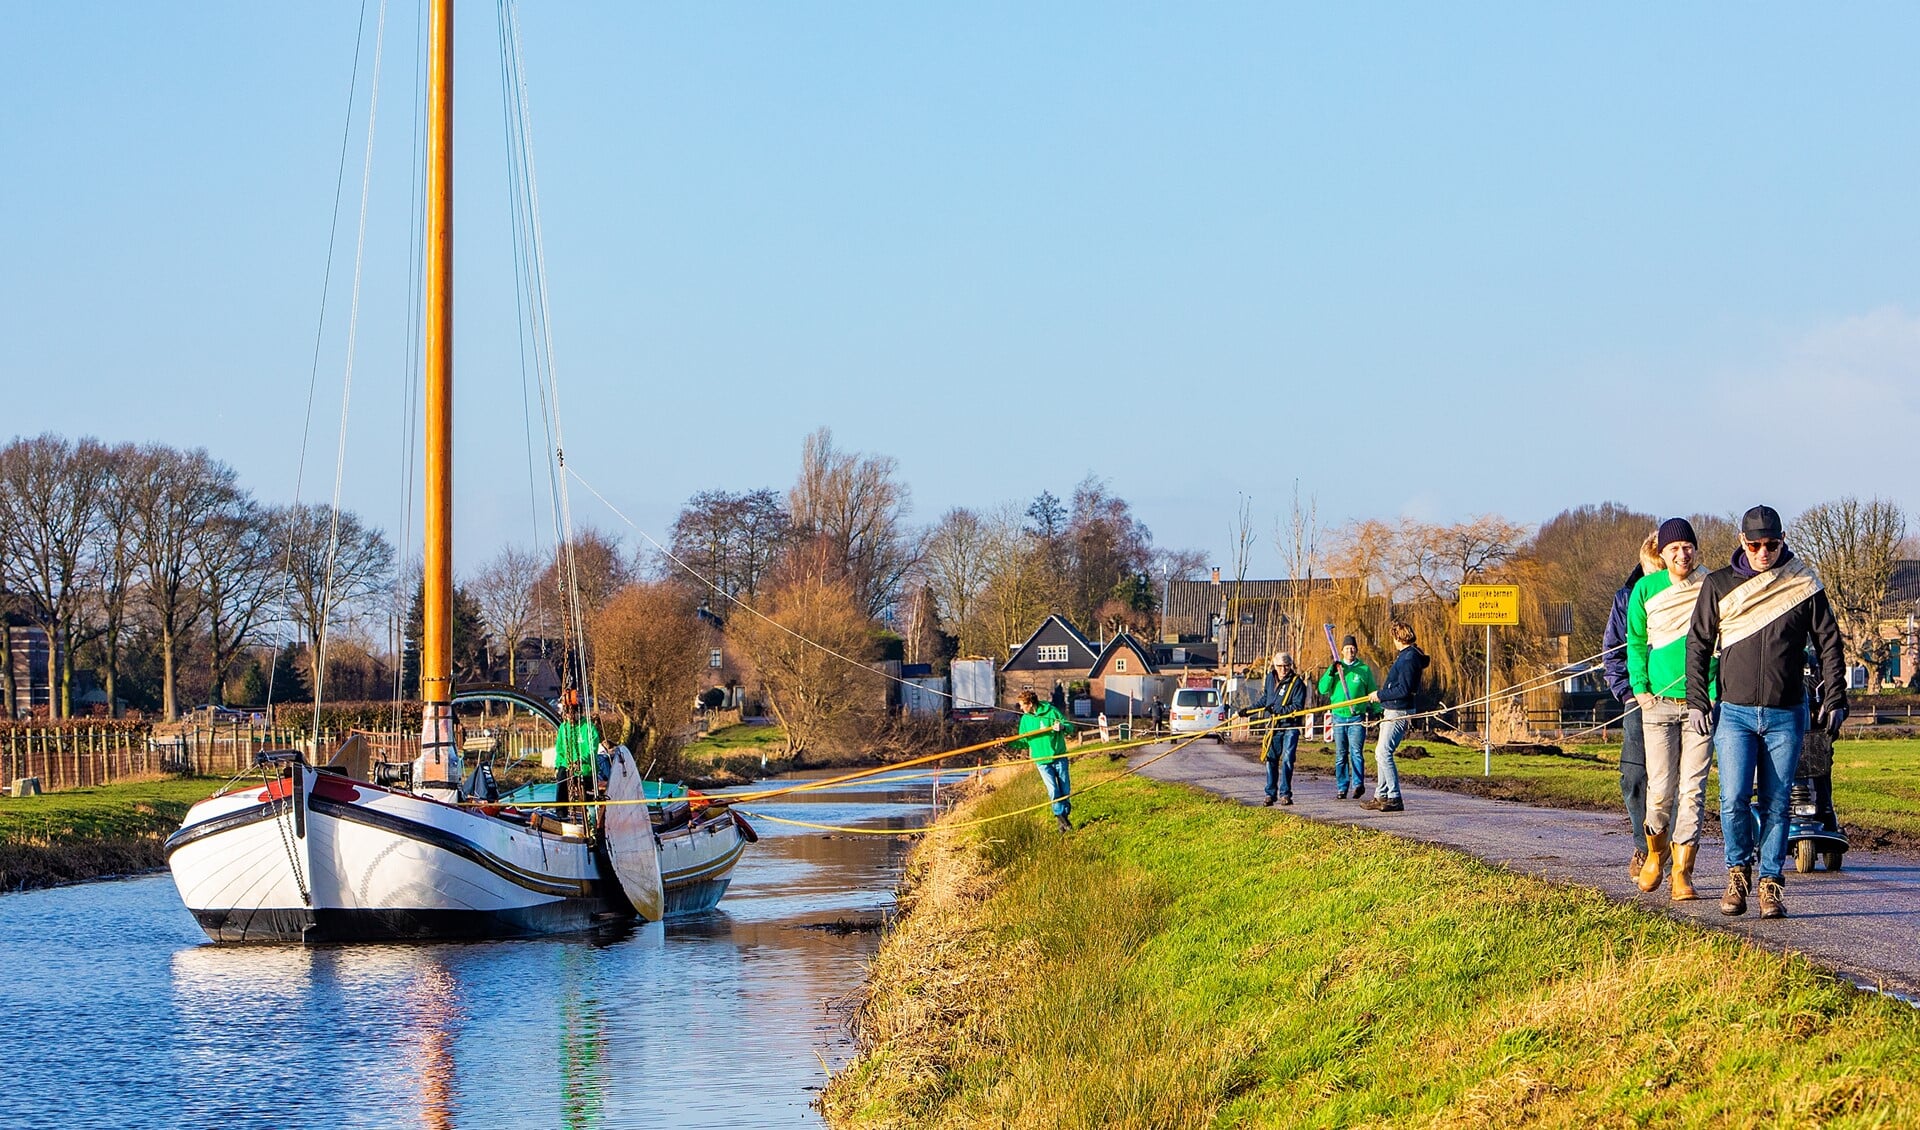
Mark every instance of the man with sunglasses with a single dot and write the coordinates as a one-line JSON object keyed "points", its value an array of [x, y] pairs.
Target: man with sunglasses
{"points": [[1757, 615]]}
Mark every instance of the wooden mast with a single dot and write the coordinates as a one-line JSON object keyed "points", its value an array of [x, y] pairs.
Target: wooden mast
{"points": [[438, 766]]}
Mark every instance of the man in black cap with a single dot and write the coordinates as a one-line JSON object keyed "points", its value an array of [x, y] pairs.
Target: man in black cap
{"points": [[1757, 615]]}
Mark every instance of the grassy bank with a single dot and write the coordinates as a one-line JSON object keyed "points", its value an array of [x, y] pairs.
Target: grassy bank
{"points": [[1180, 961], [78, 834], [1876, 783]]}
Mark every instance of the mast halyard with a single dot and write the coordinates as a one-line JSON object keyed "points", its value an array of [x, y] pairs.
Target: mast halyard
{"points": [[437, 770]]}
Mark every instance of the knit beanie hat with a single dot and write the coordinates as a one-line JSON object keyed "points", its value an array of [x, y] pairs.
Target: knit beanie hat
{"points": [[1349, 642], [1676, 529]]}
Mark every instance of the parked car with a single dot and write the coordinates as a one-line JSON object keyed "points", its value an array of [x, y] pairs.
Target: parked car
{"points": [[1198, 709]]}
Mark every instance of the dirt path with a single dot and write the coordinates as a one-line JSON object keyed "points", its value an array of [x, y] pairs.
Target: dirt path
{"points": [[1863, 921]]}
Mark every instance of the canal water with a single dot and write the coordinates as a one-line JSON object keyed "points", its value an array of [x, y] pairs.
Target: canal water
{"points": [[116, 1012]]}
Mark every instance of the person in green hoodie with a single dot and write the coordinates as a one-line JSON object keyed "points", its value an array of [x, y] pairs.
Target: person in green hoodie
{"points": [[1043, 731], [1658, 615], [1347, 679]]}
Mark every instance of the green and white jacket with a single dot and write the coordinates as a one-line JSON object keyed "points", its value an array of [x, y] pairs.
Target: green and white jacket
{"points": [[1658, 615]]}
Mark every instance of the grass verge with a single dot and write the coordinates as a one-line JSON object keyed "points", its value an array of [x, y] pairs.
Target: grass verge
{"points": [[1183, 962], [78, 834]]}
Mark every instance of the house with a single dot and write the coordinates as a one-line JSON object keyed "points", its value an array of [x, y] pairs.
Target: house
{"points": [[1200, 611], [1900, 623], [1056, 654], [1124, 679]]}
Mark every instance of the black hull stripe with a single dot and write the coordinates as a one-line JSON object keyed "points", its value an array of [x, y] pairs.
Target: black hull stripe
{"points": [[461, 846], [197, 832]]}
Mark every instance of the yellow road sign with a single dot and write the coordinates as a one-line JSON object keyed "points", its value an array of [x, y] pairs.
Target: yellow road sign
{"points": [[1489, 604]]}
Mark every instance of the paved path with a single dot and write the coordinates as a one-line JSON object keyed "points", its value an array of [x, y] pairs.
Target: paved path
{"points": [[1863, 921]]}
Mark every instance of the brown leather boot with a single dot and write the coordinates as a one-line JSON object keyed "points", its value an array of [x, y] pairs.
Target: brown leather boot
{"points": [[1773, 903], [1683, 872], [1656, 860], [1639, 859], [1739, 882]]}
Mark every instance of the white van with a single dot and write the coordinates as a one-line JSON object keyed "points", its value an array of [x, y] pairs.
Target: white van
{"points": [[1197, 709]]}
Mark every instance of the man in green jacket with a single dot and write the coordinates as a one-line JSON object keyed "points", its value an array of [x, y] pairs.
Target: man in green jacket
{"points": [[1047, 745], [573, 748], [1347, 679], [1658, 615]]}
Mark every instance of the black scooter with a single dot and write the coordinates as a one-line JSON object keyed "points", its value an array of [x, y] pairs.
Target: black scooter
{"points": [[1813, 831]]}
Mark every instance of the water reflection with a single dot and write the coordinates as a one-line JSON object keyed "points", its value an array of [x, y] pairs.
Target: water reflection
{"points": [[115, 1003]]}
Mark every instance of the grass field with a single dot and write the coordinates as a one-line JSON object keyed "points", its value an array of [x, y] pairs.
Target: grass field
{"points": [[79, 834], [1876, 784], [1184, 962]]}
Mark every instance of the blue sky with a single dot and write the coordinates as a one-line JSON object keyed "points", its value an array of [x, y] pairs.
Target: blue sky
{"points": [[1432, 260]]}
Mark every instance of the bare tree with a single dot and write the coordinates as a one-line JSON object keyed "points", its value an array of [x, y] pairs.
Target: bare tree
{"points": [[176, 494], [1241, 530], [239, 579], [1854, 546], [328, 573], [731, 540], [958, 563], [49, 509], [504, 589], [115, 565], [1297, 540], [857, 508]]}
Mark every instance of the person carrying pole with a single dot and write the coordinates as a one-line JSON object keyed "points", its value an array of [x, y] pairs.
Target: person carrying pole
{"points": [[574, 747], [1347, 679], [1400, 694], [1043, 731], [1757, 615], [1658, 615], [1283, 694]]}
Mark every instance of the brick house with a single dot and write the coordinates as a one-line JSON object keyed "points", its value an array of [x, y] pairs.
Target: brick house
{"points": [[1056, 653]]}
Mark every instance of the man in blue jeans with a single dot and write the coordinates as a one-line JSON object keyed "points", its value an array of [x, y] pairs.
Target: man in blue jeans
{"points": [[1043, 731], [1758, 614], [1350, 681]]}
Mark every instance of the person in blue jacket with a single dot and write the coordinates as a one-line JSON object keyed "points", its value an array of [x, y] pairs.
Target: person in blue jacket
{"points": [[1282, 696], [1400, 694], [1633, 741]]}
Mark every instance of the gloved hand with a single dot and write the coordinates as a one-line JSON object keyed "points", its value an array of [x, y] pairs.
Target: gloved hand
{"points": [[1832, 719], [1059, 727], [1697, 721]]}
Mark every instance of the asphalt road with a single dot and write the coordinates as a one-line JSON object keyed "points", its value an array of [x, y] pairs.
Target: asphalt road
{"points": [[1862, 921]]}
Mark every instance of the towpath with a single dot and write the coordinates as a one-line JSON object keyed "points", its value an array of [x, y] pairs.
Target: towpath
{"points": [[1863, 921]]}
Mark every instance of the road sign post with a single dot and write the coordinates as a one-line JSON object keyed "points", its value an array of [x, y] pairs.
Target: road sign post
{"points": [[1489, 605]]}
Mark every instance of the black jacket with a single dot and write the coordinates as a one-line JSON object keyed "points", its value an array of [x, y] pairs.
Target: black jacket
{"points": [[1401, 688], [1769, 622], [1278, 698], [1614, 641]]}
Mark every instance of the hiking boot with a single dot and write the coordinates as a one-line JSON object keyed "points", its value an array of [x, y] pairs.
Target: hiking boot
{"points": [[1383, 804], [1656, 865], [1288, 799], [1340, 794], [1739, 882], [1683, 872], [1638, 861], [1772, 901], [1269, 802], [1066, 825]]}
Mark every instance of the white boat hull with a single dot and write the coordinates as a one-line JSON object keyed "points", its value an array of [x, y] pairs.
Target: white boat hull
{"points": [[364, 863]]}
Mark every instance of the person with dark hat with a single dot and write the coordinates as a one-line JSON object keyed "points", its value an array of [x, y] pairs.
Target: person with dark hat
{"points": [[1658, 615], [1633, 745], [1348, 680], [1757, 615]]}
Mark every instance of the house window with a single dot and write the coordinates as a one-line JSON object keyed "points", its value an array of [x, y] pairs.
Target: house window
{"points": [[1120, 665], [713, 658], [1052, 653]]}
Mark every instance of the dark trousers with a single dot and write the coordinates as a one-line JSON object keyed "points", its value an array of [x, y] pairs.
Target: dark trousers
{"points": [[1633, 772]]}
